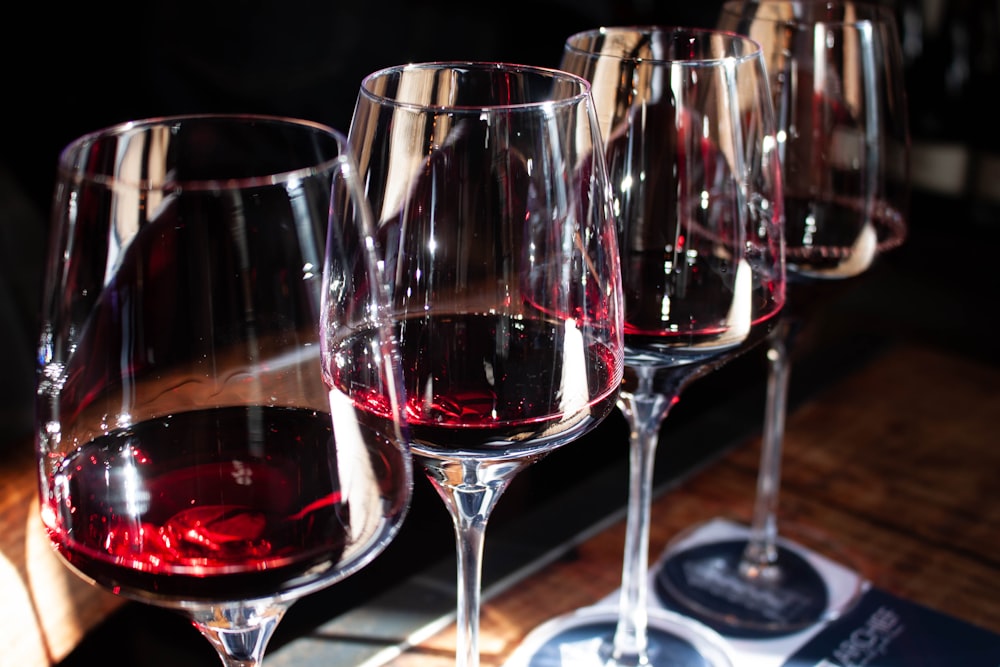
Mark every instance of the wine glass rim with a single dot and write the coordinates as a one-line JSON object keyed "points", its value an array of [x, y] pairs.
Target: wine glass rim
{"points": [[582, 93], [870, 12], [752, 51], [69, 165]]}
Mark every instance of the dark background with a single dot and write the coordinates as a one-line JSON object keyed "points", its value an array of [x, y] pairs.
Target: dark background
{"points": [[80, 67]]}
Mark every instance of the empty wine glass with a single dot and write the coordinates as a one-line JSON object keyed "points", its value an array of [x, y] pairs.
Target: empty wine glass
{"points": [[187, 453], [493, 204], [691, 149], [836, 75]]}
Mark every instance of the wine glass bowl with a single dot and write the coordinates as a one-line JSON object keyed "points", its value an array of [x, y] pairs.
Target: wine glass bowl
{"points": [[691, 150], [494, 210], [680, 151], [835, 69], [187, 453], [844, 140]]}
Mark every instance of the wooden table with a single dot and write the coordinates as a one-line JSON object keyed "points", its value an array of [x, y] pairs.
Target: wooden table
{"points": [[44, 609], [894, 469]]}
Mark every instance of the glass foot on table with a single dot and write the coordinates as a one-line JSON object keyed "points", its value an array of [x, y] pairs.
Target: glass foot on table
{"points": [[704, 582], [583, 639]]}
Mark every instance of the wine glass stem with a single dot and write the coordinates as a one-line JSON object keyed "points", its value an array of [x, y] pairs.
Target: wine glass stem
{"points": [[470, 495], [239, 634], [645, 412], [760, 558], [470, 531]]}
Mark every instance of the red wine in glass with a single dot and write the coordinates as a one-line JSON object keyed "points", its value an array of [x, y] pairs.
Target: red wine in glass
{"points": [[501, 404], [176, 507], [829, 247]]}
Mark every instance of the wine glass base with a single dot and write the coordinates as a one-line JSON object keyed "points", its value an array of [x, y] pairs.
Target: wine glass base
{"points": [[705, 582], [583, 639]]}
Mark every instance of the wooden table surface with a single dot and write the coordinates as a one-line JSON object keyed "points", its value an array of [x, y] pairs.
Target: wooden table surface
{"points": [[894, 469]]}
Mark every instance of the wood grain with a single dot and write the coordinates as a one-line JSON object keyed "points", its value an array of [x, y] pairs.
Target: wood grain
{"points": [[45, 610]]}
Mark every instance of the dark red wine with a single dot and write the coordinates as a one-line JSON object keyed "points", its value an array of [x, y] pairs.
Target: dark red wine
{"points": [[489, 385], [830, 240], [689, 315], [825, 251], [230, 503], [668, 350]]}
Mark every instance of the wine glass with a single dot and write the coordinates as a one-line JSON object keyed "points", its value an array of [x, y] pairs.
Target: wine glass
{"points": [[691, 150], [493, 204], [836, 76], [187, 453]]}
